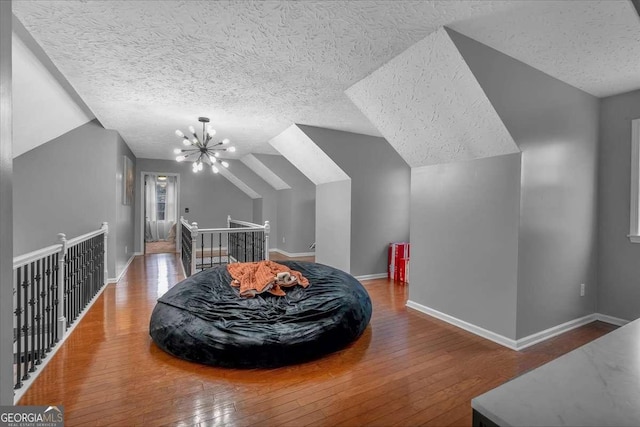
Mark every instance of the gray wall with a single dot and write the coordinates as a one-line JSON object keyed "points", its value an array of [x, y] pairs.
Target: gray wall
{"points": [[125, 220], [257, 211], [284, 216], [210, 197], [296, 217], [464, 240], [380, 182], [556, 127], [618, 266], [69, 185], [6, 209], [265, 208], [333, 224]]}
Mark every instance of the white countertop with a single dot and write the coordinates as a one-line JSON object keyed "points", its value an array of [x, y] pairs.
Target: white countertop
{"points": [[597, 384]]}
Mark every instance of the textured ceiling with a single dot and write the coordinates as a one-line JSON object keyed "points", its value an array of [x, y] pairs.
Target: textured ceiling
{"points": [[146, 68], [429, 106], [594, 46]]}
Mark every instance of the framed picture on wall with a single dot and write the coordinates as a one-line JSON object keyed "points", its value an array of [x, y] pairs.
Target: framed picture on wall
{"points": [[127, 181]]}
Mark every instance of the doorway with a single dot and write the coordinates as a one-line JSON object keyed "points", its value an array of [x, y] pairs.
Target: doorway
{"points": [[160, 212]]}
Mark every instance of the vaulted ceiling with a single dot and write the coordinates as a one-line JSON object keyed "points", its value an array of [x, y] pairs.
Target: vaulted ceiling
{"points": [[146, 68]]}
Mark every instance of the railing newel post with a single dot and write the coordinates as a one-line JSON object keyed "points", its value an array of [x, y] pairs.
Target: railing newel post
{"points": [[62, 320], [267, 229], [179, 238], [194, 243], [105, 227]]}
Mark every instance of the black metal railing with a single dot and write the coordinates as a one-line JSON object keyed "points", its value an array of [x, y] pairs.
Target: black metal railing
{"points": [[51, 288], [211, 252], [247, 246], [206, 248], [84, 275], [35, 314]]}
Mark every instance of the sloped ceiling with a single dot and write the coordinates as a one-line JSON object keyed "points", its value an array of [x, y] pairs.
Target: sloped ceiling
{"points": [[146, 68], [305, 155], [264, 172], [594, 46], [43, 107], [239, 183], [429, 106]]}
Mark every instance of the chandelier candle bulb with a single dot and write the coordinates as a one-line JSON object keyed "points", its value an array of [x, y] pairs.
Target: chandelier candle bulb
{"points": [[225, 164], [232, 149], [177, 151]]}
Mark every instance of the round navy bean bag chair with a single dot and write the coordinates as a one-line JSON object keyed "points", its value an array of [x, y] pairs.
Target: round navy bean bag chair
{"points": [[203, 319]]}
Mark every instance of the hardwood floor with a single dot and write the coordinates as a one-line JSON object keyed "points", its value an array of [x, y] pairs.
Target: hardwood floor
{"points": [[407, 369]]}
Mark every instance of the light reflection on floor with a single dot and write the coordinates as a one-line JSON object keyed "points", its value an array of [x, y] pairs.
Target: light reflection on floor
{"points": [[163, 275]]}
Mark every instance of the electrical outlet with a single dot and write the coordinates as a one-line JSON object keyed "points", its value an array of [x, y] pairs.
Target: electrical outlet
{"points": [[581, 289], [283, 240], [126, 251]]}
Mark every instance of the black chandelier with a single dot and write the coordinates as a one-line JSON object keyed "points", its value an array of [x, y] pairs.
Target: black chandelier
{"points": [[202, 150]]}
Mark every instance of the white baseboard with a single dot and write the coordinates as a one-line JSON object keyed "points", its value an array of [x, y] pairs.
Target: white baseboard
{"points": [[521, 343], [27, 383], [292, 255], [477, 330], [372, 276], [538, 337], [117, 279], [210, 248], [611, 320]]}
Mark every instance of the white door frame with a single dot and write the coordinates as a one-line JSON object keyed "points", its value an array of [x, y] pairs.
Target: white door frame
{"points": [[143, 208]]}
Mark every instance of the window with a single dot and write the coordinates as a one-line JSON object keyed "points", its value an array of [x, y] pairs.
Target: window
{"points": [[161, 199], [634, 225]]}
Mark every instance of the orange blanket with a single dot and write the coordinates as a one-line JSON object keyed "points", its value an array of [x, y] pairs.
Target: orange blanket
{"points": [[264, 276]]}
